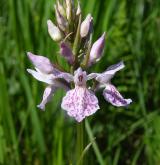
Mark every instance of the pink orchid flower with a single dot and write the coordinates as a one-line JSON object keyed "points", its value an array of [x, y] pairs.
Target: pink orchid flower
{"points": [[80, 102]]}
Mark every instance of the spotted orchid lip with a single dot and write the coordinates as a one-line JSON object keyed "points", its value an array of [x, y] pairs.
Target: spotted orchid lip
{"points": [[80, 103]]}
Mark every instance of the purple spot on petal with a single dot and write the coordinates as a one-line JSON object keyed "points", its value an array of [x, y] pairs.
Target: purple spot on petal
{"points": [[80, 103], [114, 97]]}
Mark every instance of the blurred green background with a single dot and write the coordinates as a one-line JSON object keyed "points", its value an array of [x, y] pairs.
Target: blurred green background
{"points": [[124, 136]]}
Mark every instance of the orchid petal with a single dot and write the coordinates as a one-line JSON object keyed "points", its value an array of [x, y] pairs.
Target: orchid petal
{"points": [[47, 95], [112, 95], [80, 103], [106, 76], [114, 68], [66, 76], [47, 78], [42, 63], [92, 76]]}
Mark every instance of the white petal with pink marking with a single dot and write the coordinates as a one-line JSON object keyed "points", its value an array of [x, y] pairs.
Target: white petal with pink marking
{"points": [[80, 103], [106, 76], [47, 95], [112, 95], [47, 78], [41, 62]]}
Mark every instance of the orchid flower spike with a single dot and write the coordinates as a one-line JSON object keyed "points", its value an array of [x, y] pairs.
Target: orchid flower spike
{"points": [[80, 102], [75, 41]]}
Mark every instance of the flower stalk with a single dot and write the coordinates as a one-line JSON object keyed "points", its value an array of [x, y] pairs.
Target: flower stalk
{"points": [[80, 143]]}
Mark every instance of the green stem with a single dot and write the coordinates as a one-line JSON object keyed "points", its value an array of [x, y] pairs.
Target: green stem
{"points": [[86, 59], [77, 41], [80, 142]]}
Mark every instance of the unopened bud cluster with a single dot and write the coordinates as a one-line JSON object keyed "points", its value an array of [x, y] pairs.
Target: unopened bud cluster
{"points": [[75, 35]]}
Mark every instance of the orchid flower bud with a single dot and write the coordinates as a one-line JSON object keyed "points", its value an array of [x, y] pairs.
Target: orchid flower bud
{"points": [[78, 12], [54, 31], [61, 9], [69, 9], [86, 26], [67, 53], [63, 24], [97, 49]]}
